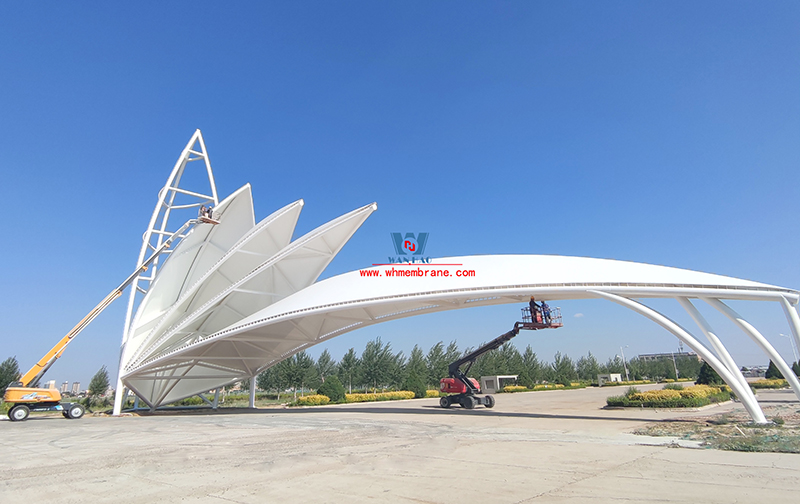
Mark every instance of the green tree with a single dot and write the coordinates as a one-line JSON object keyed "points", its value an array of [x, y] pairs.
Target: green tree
{"points": [[708, 376], [415, 383], [416, 373], [396, 370], [688, 367], [613, 366], [564, 369], [532, 367], [270, 379], [297, 371], [332, 388], [796, 368], [773, 372], [376, 363], [326, 366], [588, 368], [9, 373], [99, 383], [437, 363], [349, 369]]}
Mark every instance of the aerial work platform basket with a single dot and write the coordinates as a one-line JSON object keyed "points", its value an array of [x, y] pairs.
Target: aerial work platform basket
{"points": [[540, 320]]}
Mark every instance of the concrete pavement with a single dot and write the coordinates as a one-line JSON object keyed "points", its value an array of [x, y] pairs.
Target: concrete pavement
{"points": [[537, 447]]}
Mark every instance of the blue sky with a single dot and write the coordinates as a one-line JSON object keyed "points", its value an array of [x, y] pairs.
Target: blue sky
{"points": [[666, 133]]}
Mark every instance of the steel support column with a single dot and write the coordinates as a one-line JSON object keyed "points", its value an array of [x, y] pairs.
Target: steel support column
{"points": [[722, 352], [253, 392], [756, 336], [755, 412], [793, 318]]}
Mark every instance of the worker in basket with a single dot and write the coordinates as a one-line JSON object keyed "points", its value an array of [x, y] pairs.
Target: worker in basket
{"points": [[536, 313], [206, 211], [545, 312]]}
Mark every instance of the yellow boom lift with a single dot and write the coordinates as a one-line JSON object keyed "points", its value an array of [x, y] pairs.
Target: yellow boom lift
{"points": [[24, 395]]}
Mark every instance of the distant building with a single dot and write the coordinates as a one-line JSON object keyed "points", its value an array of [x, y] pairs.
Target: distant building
{"points": [[491, 384], [76, 388], [64, 387], [668, 355], [50, 384], [754, 371], [605, 378]]}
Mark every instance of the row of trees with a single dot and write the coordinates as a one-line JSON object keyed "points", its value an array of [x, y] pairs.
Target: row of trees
{"points": [[379, 367]]}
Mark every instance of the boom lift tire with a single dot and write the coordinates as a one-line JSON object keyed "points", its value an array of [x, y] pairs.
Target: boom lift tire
{"points": [[19, 413], [75, 411], [444, 402], [488, 401]]}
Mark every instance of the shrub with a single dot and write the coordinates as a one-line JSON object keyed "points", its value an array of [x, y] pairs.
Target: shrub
{"points": [[431, 393], [190, 401], [514, 388], [769, 384], [332, 388], [631, 391], [548, 386], [673, 386], [381, 396], [698, 395], [313, 400]]}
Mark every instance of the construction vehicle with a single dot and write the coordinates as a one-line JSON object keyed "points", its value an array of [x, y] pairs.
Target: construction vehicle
{"points": [[465, 390], [25, 396]]}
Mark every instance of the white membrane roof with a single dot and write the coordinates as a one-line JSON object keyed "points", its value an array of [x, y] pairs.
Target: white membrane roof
{"points": [[352, 300]]}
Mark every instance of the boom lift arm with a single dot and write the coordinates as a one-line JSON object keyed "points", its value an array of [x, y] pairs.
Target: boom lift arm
{"points": [[35, 374], [455, 368], [24, 396], [465, 390]]}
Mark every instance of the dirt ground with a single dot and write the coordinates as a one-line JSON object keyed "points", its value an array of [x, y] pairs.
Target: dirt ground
{"points": [[734, 430]]}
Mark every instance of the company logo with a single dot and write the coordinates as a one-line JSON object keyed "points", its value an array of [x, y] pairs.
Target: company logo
{"points": [[409, 247]]}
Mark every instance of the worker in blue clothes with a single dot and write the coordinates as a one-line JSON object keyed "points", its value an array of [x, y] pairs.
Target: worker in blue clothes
{"points": [[545, 312]]}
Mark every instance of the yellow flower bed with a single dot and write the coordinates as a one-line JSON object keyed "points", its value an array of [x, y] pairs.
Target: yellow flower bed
{"points": [[514, 388], [656, 395], [313, 400], [382, 396], [773, 383], [548, 386], [431, 393], [698, 391]]}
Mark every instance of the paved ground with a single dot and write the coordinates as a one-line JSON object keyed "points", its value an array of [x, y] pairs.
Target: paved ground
{"points": [[537, 447]]}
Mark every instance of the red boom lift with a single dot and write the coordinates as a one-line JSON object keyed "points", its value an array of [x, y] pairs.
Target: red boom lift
{"points": [[465, 390]]}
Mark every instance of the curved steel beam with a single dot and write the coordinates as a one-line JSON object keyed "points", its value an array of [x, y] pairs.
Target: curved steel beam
{"points": [[755, 412], [722, 352], [793, 318], [756, 336]]}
